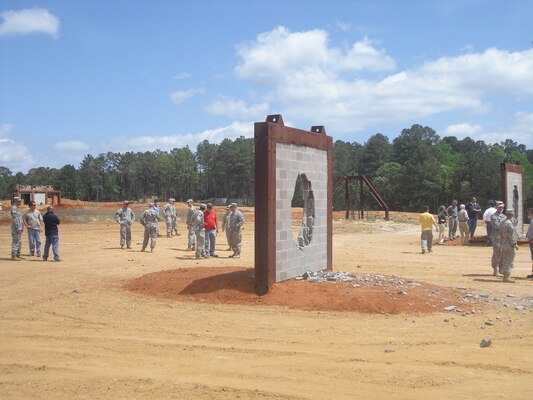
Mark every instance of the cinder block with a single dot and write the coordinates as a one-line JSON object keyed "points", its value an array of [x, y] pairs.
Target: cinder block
{"points": [[292, 160]]}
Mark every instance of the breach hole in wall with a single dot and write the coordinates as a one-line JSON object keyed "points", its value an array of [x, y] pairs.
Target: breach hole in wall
{"points": [[303, 211]]}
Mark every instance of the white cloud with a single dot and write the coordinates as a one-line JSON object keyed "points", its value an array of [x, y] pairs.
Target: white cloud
{"points": [[182, 75], [28, 21], [15, 156], [74, 145], [520, 130], [493, 71], [178, 97], [237, 109], [168, 142], [310, 80], [275, 56], [462, 130], [343, 26], [5, 129], [524, 124]]}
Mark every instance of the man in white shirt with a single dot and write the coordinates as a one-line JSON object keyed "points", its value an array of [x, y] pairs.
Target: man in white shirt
{"points": [[486, 218]]}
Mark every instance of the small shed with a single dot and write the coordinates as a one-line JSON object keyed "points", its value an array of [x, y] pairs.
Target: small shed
{"points": [[41, 195]]}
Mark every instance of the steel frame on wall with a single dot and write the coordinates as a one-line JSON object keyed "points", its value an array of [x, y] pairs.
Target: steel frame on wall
{"points": [[266, 135]]}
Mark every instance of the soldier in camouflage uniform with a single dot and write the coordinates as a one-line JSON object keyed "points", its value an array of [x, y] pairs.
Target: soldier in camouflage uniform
{"points": [[174, 228], [169, 211], [16, 230], [190, 232], [236, 221], [199, 231], [225, 226], [496, 221], [149, 220], [125, 217], [508, 241]]}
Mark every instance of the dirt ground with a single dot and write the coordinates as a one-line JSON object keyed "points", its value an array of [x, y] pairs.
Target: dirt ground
{"points": [[71, 329]]}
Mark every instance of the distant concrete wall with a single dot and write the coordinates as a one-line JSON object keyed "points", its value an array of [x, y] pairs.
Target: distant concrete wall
{"points": [[39, 198], [514, 200], [512, 185], [292, 258]]}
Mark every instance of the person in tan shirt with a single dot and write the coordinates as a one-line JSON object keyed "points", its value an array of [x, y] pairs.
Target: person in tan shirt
{"points": [[33, 221]]}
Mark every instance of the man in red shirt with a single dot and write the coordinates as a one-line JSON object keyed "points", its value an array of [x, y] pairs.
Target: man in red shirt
{"points": [[211, 230]]}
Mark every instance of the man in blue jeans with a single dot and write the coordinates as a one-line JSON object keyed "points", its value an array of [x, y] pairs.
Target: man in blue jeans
{"points": [[472, 209], [211, 230], [33, 222], [51, 221]]}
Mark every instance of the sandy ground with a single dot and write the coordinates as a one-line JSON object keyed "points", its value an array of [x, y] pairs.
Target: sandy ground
{"points": [[69, 329]]}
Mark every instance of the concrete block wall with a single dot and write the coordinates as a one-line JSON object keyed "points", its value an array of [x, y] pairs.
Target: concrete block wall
{"points": [[513, 180], [291, 160]]}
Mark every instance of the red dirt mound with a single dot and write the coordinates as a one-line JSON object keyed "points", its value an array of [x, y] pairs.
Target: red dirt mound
{"points": [[234, 285]]}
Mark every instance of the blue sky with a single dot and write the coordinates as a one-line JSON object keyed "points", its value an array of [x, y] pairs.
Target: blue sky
{"points": [[86, 77]]}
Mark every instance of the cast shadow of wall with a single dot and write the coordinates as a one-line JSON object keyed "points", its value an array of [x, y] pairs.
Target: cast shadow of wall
{"points": [[240, 281]]}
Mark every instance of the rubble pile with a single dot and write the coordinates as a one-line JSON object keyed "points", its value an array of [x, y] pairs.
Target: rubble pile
{"points": [[464, 302]]}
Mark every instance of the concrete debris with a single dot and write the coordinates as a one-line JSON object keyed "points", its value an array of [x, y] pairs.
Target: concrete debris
{"points": [[485, 342], [395, 285]]}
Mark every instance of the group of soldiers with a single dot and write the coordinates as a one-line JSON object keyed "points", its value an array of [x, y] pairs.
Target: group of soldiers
{"points": [[232, 223], [199, 221]]}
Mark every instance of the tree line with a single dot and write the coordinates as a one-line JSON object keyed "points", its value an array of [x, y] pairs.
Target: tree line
{"points": [[417, 168]]}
